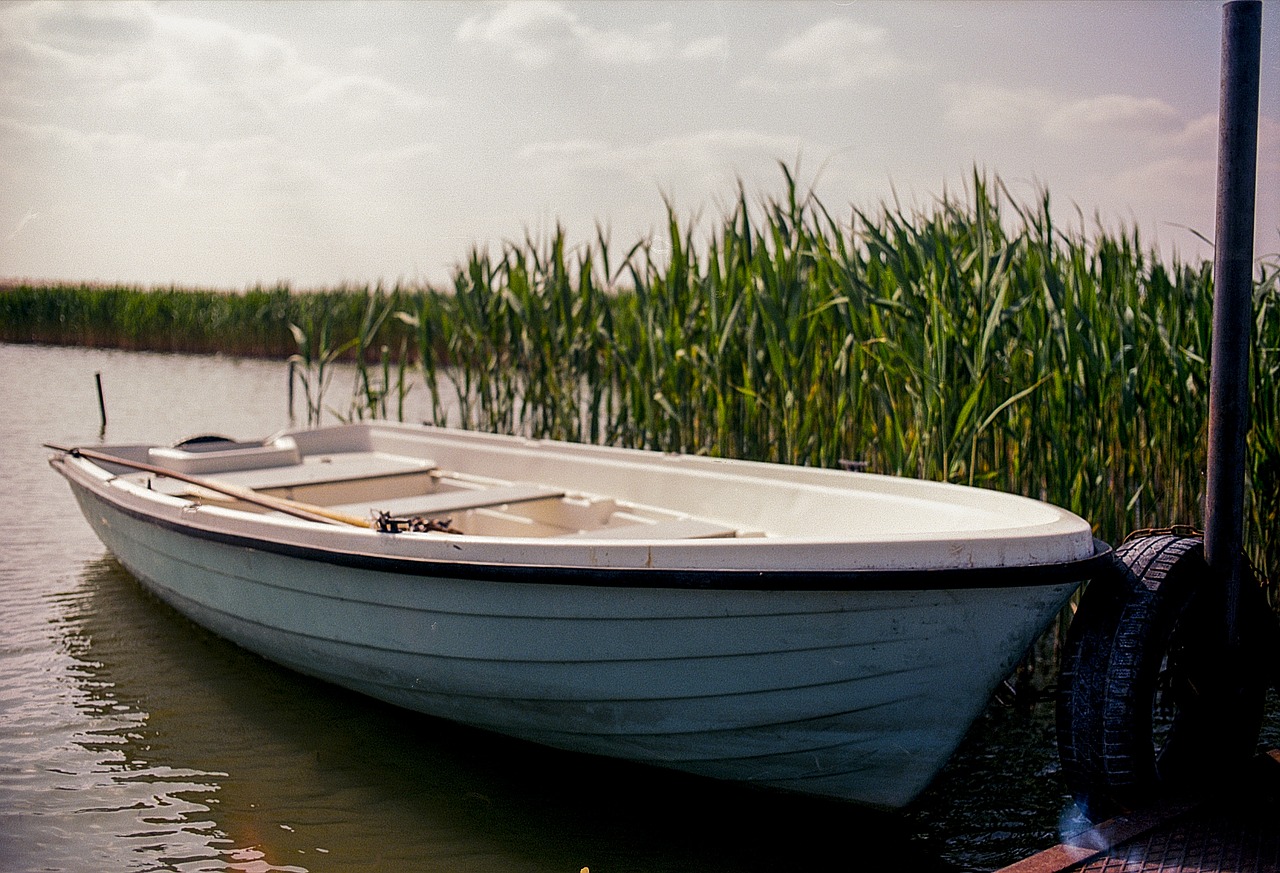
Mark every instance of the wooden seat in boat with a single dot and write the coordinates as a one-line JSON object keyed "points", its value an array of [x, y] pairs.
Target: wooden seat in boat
{"points": [[453, 501]]}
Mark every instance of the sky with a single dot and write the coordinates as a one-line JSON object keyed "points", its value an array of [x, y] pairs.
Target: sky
{"points": [[228, 144]]}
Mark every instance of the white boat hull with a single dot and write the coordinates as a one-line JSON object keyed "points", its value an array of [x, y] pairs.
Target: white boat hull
{"points": [[856, 691]]}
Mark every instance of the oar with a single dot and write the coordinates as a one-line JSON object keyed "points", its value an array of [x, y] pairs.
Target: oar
{"points": [[248, 495]]}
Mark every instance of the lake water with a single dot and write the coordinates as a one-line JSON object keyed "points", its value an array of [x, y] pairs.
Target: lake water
{"points": [[132, 740]]}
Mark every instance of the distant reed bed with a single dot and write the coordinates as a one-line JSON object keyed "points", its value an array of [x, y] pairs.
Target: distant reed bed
{"points": [[252, 323], [974, 341]]}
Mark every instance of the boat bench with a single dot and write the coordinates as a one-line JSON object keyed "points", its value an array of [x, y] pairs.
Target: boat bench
{"points": [[481, 498], [452, 501], [675, 529], [326, 470]]}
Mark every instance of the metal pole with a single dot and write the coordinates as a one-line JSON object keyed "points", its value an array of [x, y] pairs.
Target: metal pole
{"points": [[1233, 299]]}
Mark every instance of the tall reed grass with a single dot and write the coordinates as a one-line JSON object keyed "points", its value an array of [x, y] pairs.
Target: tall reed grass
{"points": [[975, 341]]}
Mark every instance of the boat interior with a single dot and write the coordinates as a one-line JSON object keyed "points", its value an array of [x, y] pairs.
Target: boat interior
{"points": [[409, 491]]}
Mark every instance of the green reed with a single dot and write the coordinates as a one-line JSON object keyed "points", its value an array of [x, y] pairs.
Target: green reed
{"points": [[255, 322], [975, 341]]}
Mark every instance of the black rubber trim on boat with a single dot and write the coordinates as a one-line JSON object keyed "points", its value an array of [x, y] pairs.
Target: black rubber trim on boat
{"points": [[639, 577]]}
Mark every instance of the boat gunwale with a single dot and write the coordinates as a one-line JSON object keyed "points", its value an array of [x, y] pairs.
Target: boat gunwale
{"points": [[700, 578]]}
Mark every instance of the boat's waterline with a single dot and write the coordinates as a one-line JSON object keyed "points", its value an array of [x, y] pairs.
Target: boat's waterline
{"points": [[858, 688]]}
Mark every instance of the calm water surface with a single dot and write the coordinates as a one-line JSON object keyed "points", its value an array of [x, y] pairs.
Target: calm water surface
{"points": [[132, 740]]}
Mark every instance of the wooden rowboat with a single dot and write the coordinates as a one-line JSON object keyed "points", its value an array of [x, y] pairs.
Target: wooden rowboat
{"points": [[811, 630]]}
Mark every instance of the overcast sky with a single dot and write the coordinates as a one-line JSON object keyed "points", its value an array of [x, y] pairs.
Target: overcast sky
{"points": [[226, 144]]}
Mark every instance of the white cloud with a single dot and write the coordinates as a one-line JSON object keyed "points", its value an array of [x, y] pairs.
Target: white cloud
{"points": [[259, 165], [398, 158], [219, 129], [1110, 149], [533, 32], [984, 107], [86, 29], [716, 47], [836, 53], [53, 49], [562, 149], [987, 107], [117, 65], [723, 146], [708, 146], [362, 97], [709, 159], [34, 147], [620, 47], [1200, 133], [1112, 113], [537, 33]]}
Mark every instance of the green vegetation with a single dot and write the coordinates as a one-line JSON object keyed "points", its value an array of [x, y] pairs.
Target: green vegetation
{"points": [[255, 323], [974, 342]]}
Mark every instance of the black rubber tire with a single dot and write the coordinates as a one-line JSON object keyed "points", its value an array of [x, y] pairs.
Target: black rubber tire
{"points": [[1149, 699]]}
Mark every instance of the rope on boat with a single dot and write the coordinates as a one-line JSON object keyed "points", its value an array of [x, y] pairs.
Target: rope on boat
{"points": [[385, 522]]}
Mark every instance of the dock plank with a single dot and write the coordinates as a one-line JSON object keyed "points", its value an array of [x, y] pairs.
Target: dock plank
{"points": [[1236, 830]]}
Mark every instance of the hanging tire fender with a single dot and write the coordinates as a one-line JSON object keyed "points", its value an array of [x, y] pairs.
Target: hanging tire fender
{"points": [[1151, 698]]}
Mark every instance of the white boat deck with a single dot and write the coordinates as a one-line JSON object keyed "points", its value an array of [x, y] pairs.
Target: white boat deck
{"points": [[364, 484]]}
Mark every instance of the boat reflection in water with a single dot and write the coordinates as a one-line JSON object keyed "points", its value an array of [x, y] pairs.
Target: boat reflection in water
{"points": [[208, 757]]}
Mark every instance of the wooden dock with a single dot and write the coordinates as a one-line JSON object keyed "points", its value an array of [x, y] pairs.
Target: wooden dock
{"points": [[1234, 831]]}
